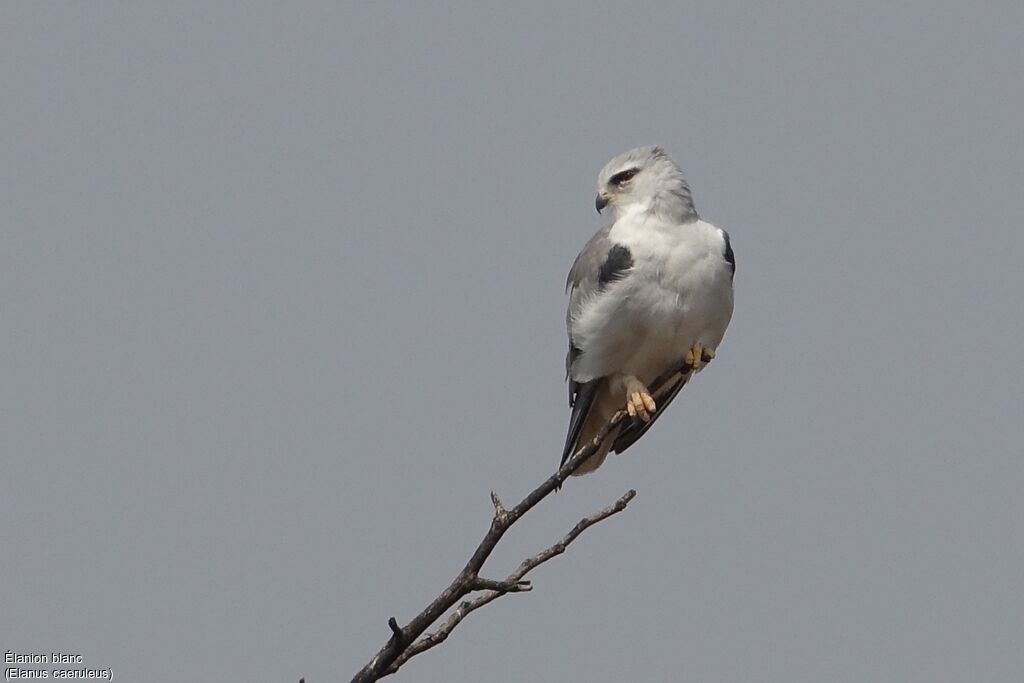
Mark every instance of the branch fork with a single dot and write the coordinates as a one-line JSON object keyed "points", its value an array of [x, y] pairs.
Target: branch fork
{"points": [[408, 641]]}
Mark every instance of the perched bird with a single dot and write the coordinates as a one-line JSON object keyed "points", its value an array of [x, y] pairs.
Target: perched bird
{"points": [[648, 292]]}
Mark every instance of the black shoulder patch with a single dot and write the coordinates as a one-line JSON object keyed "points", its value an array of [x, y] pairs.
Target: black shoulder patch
{"points": [[614, 268], [730, 258]]}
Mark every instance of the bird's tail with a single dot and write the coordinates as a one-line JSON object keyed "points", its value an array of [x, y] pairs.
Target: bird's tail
{"points": [[602, 408]]}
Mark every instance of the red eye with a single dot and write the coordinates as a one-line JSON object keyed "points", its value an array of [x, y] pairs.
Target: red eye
{"points": [[623, 176]]}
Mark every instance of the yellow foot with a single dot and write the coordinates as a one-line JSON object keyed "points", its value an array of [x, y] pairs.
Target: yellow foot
{"points": [[638, 400], [699, 356]]}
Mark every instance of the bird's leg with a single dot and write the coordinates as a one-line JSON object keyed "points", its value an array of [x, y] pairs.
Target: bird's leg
{"points": [[699, 356], [639, 402]]}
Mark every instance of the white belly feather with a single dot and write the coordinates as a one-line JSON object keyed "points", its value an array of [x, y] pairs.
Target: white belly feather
{"points": [[677, 294]]}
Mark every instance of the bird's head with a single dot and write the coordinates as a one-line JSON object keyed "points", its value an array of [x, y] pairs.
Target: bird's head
{"points": [[645, 180]]}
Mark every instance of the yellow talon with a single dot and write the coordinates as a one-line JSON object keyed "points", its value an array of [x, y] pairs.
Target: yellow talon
{"points": [[693, 357], [699, 356], [639, 402]]}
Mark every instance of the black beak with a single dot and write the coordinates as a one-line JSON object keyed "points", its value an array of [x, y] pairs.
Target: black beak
{"points": [[600, 203]]}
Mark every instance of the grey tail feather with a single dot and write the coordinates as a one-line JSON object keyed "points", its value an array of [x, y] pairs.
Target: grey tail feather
{"points": [[580, 409]]}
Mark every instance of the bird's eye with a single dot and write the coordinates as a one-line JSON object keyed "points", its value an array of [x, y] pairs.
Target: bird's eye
{"points": [[623, 176]]}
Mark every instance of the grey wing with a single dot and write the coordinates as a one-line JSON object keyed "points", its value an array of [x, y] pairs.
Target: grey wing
{"points": [[586, 269], [584, 279]]}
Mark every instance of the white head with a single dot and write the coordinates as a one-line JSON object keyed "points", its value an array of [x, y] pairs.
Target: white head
{"points": [[645, 179]]}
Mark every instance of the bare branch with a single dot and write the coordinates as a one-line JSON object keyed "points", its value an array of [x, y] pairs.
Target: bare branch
{"points": [[406, 641], [559, 548], [501, 586], [515, 578], [499, 509]]}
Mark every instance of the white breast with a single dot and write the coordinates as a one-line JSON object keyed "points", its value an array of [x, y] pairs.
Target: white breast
{"points": [[678, 293]]}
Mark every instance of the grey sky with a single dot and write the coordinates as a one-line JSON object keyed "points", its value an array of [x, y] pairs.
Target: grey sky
{"points": [[281, 296]]}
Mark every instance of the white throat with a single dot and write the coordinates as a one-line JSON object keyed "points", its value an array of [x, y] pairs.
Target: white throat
{"points": [[669, 207]]}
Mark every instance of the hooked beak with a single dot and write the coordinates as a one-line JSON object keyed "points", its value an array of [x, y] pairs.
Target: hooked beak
{"points": [[600, 202]]}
